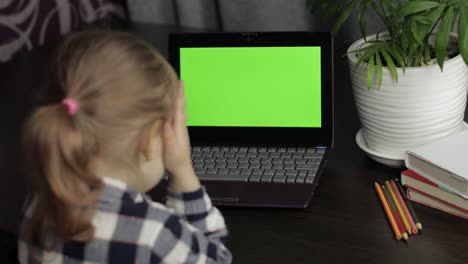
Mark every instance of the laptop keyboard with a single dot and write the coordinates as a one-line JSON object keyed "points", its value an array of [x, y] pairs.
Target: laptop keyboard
{"points": [[269, 165]]}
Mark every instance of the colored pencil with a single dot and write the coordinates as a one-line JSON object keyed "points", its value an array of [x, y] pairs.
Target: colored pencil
{"points": [[408, 216], [408, 204], [398, 206], [387, 211], [395, 213]]}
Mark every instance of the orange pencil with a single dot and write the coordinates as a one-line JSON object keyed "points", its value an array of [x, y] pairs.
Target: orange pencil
{"points": [[387, 211], [395, 213], [398, 206], [414, 228]]}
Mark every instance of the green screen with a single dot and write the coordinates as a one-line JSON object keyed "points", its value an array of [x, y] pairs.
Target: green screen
{"points": [[252, 86]]}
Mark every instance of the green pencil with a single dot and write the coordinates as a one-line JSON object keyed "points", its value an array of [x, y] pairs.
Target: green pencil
{"points": [[408, 204]]}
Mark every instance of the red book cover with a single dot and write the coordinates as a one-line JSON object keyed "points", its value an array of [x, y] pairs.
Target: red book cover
{"points": [[414, 181]]}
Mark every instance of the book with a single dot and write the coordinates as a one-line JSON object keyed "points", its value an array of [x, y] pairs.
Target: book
{"points": [[418, 197], [414, 181], [443, 161]]}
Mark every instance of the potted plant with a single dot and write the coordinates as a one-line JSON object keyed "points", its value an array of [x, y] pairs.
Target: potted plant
{"points": [[410, 80]]}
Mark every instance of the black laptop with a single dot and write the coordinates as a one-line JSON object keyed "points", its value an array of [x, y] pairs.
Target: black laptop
{"points": [[259, 112]]}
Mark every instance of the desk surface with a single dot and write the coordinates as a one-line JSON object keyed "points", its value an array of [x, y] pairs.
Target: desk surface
{"points": [[344, 222]]}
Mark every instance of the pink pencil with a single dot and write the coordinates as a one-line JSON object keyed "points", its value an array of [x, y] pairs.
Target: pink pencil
{"points": [[414, 229]]}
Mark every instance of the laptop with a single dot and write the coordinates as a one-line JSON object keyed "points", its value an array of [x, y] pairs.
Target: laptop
{"points": [[259, 113]]}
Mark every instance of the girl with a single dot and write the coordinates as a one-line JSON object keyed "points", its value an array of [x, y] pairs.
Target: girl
{"points": [[93, 155]]}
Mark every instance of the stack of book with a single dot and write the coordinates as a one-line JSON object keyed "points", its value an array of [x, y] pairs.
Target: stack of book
{"points": [[437, 174]]}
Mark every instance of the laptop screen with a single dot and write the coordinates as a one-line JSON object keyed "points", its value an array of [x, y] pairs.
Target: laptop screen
{"points": [[252, 86]]}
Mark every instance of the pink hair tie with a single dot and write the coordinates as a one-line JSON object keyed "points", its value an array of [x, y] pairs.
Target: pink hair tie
{"points": [[71, 104]]}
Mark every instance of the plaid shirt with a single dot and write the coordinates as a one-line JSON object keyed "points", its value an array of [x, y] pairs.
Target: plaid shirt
{"points": [[130, 228]]}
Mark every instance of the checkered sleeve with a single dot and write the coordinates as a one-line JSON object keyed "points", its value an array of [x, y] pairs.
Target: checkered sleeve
{"points": [[193, 230]]}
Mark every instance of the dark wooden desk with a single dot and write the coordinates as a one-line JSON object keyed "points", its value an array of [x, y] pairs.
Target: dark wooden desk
{"points": [[343, 224]]}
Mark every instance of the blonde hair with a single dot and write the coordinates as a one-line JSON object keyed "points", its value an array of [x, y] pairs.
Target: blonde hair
{"points": [[122, 86]]}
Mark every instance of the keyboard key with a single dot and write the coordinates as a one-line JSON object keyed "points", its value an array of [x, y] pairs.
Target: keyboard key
{"points": [[209, 165], [289, 166], [200, 170], [223, 171], [212, 171], [302, 172], [198, 164], [266, 160], [288, 160], [255, 160], [251, 154], [274, 155], [279, 178], [300, 161], [291, 172], [278, 160], [243, 159], [281, 149], [231, 165], [243, 149], [262, 149], [210, 159], [309, 179], [221, 159], [254, 165], [207, 153], [234, 171], [320, 150], [271, 150], [313, 155], [307, 166], [232, 159], [266, 178], [205, 148], [300, 179], [233, 148], [246, 171], [224, 149], [286, 155], [241, 154], [257, 171], [243, 165], [262, 154], [291, 179], [196, 148], [220, 165], [215, 148], [280, 172], [255, 177], [301, 150], [278, 165], [218, 153], [312, 173], [269, 172], [291, 150], [310, 150], [297, 155], [196, 153], [230, 153], [266, 165], [224, 177], [198, 158]]}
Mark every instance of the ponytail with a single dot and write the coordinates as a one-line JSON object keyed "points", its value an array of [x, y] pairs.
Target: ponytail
{"points": [[66, 189]]}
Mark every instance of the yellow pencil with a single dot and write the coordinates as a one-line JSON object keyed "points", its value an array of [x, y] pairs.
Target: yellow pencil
{"points": [[393, 224], [398, 206]]}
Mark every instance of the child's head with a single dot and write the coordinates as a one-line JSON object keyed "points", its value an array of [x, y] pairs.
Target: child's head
{"points": [[123, 91]]}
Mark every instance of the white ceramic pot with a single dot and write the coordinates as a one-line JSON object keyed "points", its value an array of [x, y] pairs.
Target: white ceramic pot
{"points": [[425, 105]]}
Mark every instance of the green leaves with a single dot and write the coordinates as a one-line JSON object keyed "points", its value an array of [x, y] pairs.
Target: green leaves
{"points": [[443, 35], [344, 15], [370, 71], [413, 7], [463, 34]]}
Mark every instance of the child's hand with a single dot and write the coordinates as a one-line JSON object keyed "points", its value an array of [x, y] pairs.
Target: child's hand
{"points": [[177, 148]]}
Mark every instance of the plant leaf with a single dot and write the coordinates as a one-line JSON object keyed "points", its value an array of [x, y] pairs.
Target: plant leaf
{"points": [[442, 37], [395, 54], [379, 69], [362, 17], [423, 20], [412, 7], [370, 71], [390, 64], [463, 34], [344, 15]]}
